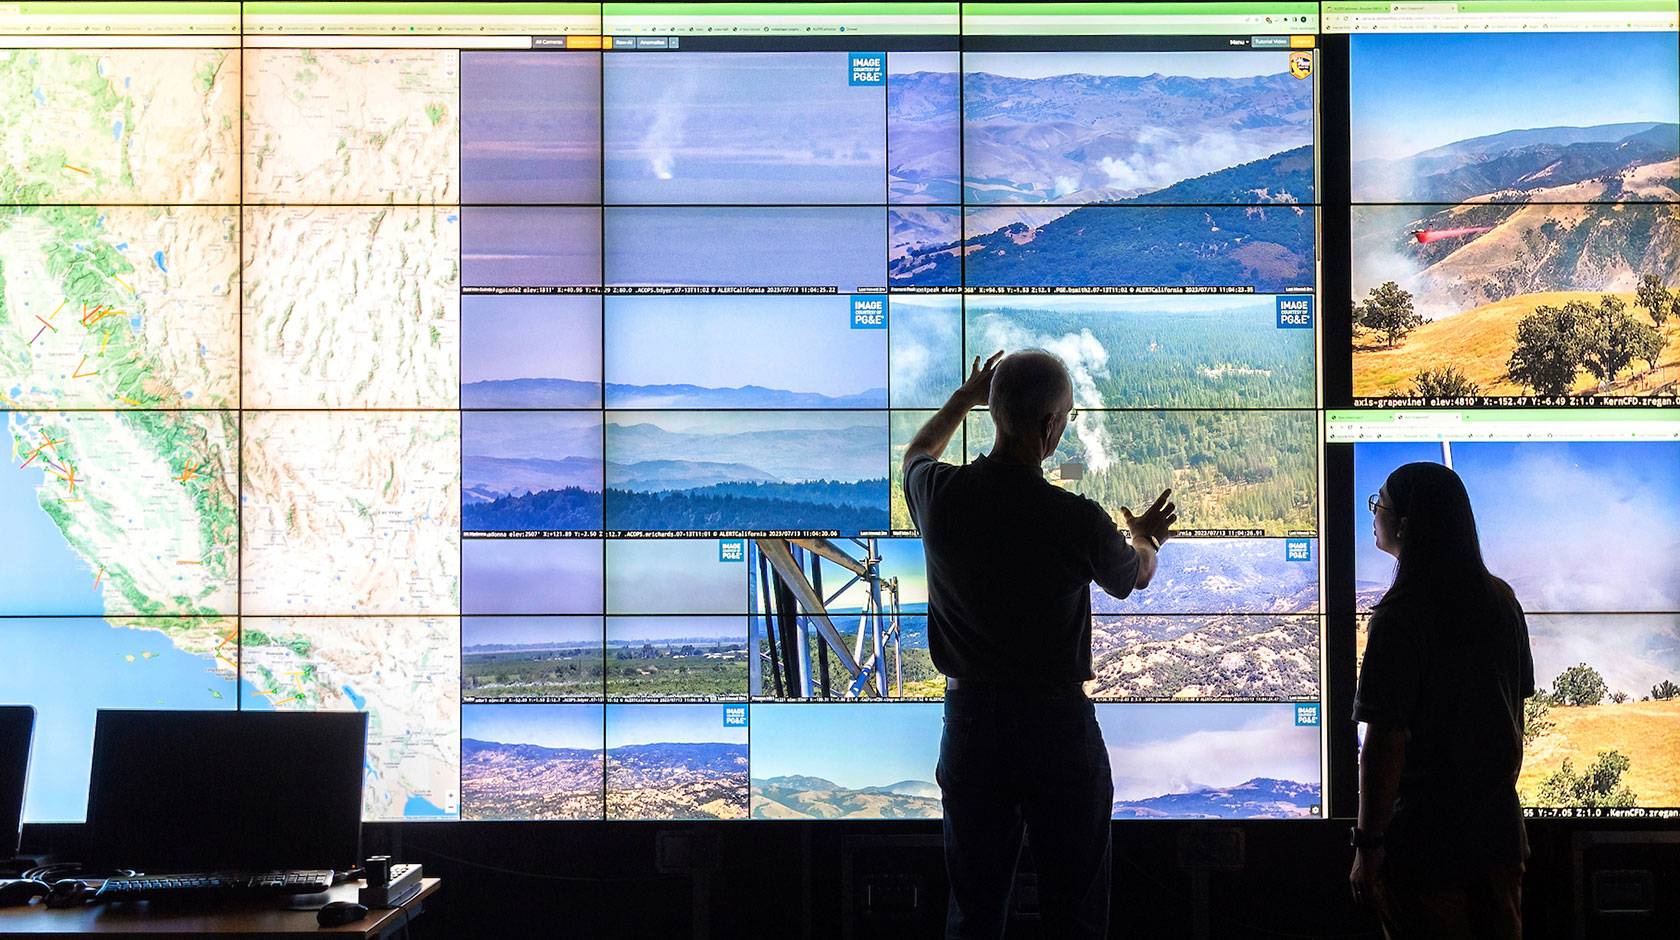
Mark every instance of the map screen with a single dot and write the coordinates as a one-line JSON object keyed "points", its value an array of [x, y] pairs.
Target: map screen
{"points": [[534, 377]]}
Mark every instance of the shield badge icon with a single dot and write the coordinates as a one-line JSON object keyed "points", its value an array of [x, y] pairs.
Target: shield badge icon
{"points": [[1300, 64]]}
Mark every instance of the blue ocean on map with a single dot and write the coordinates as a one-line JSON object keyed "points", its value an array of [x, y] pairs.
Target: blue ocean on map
{"points": [[70, 667]]}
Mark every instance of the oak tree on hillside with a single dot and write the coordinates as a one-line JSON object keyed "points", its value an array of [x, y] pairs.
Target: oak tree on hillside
{"points": [[1445, 382], [1388, 312], [1654, 298], [1548, 348]]}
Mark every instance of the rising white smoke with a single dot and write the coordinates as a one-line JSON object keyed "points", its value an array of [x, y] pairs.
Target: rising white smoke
{"points": [[1086, 360]]}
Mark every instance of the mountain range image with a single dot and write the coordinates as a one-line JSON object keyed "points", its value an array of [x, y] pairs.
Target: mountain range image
{"points": [[1260, 798], [1093, 138], [1514, 162], [804, 797], [923, 149], [570, 393], [527, 781], [677, 781], [1156, 239], [1248, 576]]}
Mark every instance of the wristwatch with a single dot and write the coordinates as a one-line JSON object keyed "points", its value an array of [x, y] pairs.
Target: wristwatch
{"points": [[1360, 839]]}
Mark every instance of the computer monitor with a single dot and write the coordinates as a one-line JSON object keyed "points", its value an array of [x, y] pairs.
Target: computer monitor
{"points": [[17, 724], [188, 791]]}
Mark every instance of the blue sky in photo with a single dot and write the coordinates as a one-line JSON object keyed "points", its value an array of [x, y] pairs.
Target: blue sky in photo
{"points": [[1235, 64], [637, 629], [1413, 92], [669, 724], [530, 576], [853, 744], [543, 336], [530, 127], [742, 127], [543, 435], [530, 631], [802, 344], [545, 725], [673, 576]]}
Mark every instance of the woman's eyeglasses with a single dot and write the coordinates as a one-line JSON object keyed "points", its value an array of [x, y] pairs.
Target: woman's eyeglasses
{"points": [[1373, 503]]}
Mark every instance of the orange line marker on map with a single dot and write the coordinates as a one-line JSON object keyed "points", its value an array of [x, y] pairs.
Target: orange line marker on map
{"points": [[46, 324], [187, 473], [99, 577], [188, 561], [79, 374], [71, 166]]}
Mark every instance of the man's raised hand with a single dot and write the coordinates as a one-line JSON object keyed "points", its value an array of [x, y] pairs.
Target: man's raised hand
{"points": [[978, 388], [1156, 522]]}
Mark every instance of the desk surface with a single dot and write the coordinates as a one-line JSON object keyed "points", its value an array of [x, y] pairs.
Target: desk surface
{"points": [[244, 920]]}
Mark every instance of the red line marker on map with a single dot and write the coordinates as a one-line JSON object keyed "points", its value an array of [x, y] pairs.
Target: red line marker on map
{"points": [[99, 577]]}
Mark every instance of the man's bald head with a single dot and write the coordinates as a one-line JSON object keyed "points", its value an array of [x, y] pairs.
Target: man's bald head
{"points": [[1029, 387]]}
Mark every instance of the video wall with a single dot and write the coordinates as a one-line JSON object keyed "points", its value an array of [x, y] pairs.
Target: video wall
{"points": [[470, 363]]}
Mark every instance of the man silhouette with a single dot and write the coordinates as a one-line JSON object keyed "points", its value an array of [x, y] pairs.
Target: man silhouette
{"points": [[1010, 562]]}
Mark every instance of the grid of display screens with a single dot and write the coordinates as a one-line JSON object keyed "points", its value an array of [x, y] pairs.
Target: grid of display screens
{"points": [[449, 360], [1516, 273]]}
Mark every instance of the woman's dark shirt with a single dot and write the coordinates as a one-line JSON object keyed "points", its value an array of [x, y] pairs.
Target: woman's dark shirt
{"points": [[1456, 683]]}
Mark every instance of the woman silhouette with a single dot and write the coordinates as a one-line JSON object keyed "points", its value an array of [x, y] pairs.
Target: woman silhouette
{"points": [[1440, 845]]}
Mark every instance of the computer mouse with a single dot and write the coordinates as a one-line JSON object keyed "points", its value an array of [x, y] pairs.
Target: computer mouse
{"points": [[22, 891], [339, 913], [68, 892]]}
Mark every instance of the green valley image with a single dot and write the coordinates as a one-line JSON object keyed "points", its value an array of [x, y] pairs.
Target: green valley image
{"points": [[1521, 235], [1155, 352], [1211, 761], [674, 761], [854, 760], [1229, 470], [1603, 729], [1231, 657], [530, 658], [677, 657], [758, 470], [527, 761], [525, 471]]}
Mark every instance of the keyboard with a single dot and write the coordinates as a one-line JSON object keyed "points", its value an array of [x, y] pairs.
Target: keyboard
{"points": [[213, 884]]}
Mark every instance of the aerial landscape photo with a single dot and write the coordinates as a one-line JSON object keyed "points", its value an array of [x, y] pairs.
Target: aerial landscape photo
{"points": [[1156, 352], [1216, 760], [1130, 169], [530, 351], [531, 658], [925, 350], [674, 576], [747, 470], [1523, 236], [1603, 729], [675, 761], [924, 127], [531, 576], [692, 657], [530, 127], [699, 352], [530, 471], [861, 760], [1254, 471], [1525, 492], [528, 761], [742, 128], [1220, 657], [1226, 576]]}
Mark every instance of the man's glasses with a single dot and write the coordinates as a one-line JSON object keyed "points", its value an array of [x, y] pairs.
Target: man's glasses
{"points": [[1073, 415]]}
